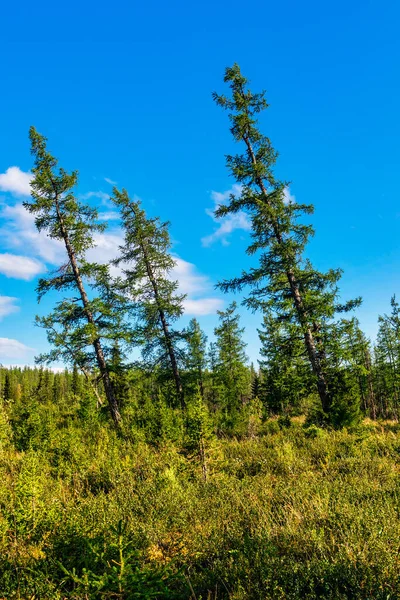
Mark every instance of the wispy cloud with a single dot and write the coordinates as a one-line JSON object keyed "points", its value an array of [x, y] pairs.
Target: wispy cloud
{"points": [[109, 216], [227, 224], [16, 181], [101, 195], [288, 197], [8, 306], [20, 267], [202, 306], [10, 348], [19, 233], [110, 181], [232, 222], [197, 287]]}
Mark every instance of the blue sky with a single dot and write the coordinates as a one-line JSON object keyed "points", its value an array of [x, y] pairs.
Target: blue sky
{"points": [[123, 92]]}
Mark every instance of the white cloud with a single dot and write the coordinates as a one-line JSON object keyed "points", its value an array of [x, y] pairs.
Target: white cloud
{"points": [[20, 233], [20, 267], [190, 281], [228, 224], [10, 348], [110, 181], [8, 306], [16, 181], [109, 216], [101, 195], [194, 284], [288, 197], [107, 246], [202, 306]]}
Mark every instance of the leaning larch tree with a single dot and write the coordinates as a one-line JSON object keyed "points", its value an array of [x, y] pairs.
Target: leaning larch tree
{"points": [[78, 327], [284, 283]]}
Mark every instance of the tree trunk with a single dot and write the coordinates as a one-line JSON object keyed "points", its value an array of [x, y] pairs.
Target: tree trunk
{"points": [[101, 361], [167, 335], [309, 341]]}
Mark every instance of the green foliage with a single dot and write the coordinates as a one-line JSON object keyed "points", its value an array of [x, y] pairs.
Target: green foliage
{"points": [[147, 262], [298, 301], [200, 493], [280, 512], [196, 356], [230, 368], [119, 573], [81, 328]]}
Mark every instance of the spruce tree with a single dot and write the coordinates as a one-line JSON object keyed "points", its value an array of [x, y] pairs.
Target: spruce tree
{"points": [[196, 355], [284, 284], [387, 361], [78, 325], [359, 363], [231, 371], [75, 382], [147, 262], [7, 391], [212, 360], [284, 366]]}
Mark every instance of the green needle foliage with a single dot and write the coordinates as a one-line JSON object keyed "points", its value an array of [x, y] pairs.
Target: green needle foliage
{"points": [[82, 326], [284, 285], [196, 356], [231, 371], [146, 262], [387, 362]]}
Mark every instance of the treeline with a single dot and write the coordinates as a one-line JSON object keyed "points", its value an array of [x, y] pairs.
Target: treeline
{"points": [[315, 359], [220, 376]]}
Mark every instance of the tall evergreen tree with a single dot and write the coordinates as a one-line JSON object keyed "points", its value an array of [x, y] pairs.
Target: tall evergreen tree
{"points": [[284, 365], [284, 284], [79, 325], [196, 356], [231, 370], [387, 361], [359, 363], [76, 382], [147, 262], [7, 390], [212, 360]]}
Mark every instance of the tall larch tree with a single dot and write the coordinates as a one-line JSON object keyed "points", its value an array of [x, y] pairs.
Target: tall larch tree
{"points": [[284, 283], [147, 262], [79, 326]]}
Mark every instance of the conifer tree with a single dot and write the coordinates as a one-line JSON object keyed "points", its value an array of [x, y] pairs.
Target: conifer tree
{"points": [[196, 357], [387, 361], [360, 364], [284, 283], [212, 360], [286, 372], [119, 375], [77, 326], [7, 391], [76, 382], [231, 370], [147, 262]]}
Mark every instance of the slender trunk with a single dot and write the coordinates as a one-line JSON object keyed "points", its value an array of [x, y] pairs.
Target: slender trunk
{"points": [[165, 328], [101, 361], [314, 358]]}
